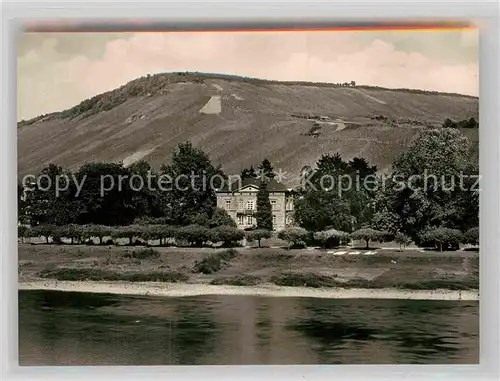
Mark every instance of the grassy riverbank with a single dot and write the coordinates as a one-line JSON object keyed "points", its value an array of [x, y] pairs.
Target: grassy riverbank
{"points": [[255, 267], [269, 290]]}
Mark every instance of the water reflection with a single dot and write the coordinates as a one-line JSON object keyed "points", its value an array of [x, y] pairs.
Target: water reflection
{"points": [[57, 328]]}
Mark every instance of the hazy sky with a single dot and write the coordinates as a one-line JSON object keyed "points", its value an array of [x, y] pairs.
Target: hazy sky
{"points": [[58, 70]]}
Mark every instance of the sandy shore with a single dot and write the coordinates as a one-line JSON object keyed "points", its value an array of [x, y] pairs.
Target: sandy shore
{"points": [[184, 289]]}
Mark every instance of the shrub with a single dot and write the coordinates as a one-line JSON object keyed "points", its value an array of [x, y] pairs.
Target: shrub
{"points": [[214, 262], [143, 254], [228, 235], [258, 235], [367, 235], [193, 234], [331, 237], [130, 232], [442, 238], [238, 280], [471, 236], [96, 274], [304, 280], [220, 217], [403, 240], [295, 236], [200, 219]]}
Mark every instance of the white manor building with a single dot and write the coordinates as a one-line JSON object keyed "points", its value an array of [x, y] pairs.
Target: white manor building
{"points": [[239, 199]]}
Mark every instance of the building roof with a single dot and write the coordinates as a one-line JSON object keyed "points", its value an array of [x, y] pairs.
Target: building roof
{"points": [[272, 185]]}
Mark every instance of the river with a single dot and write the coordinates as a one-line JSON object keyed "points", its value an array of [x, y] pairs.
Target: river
{"points": [[72, 328]]}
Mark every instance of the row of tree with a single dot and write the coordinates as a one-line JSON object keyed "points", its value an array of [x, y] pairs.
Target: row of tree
{"points": [[193, 235], [403, 201], [439, 238], [198, 235]]}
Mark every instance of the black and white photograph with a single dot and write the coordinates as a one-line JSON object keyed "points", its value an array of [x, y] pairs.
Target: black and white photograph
{"points": [[266, 196]]}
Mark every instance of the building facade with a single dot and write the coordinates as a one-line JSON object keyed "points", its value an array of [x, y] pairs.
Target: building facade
{"points": [[239, 199]]}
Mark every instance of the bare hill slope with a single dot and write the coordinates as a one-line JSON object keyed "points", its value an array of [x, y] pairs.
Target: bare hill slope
{"points": [[238, 121]]}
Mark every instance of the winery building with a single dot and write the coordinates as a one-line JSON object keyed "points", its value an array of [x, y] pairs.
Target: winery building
{"points": [[239, 199]]}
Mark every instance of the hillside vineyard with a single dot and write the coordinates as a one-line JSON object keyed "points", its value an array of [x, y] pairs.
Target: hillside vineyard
{"points": [[237, 121]]}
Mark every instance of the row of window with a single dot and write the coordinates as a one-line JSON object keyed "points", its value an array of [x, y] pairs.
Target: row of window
{"points": [[250, 220], [250, 205]]}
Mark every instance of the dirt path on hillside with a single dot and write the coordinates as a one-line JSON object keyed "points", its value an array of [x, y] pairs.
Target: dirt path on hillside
{"points": [[213, 106]]}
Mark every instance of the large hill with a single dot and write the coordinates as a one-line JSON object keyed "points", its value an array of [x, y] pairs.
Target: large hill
{"points": [[238, 121]]}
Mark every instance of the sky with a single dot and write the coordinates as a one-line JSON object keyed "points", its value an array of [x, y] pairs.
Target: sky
{"points": [[57, 70]]}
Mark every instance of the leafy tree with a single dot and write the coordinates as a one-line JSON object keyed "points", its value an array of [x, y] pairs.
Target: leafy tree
{"points": [[361, 196], [471, 123], [448, 123], [264, 214], [193, 234], [99, 231], [367, 235], [424, 189], [129, 231], [258, 235], [46, 204], [442, 237], [248, 173], [386, 220], [46, 231], [220, 217], [228, 235], [266, 169], [145, 195], [330, 237], [334, 195], [193, 181], [22, 211], [106, 197], [314, 210], [295, 236], [72, 231], [151, 232], [358, 166], [167, 232], [201, 219], [471, 236], [403, 240], [466, 123], [23, 232]]}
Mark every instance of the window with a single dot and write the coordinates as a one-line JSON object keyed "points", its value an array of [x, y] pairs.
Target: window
{"points": [[273, 204], [240, 204], [228, 204], [240, 219], [274, 219], [249, 220], [250, 205]]}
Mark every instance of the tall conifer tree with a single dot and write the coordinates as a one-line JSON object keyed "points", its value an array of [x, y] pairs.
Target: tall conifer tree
{"points": [[264, 214]]}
